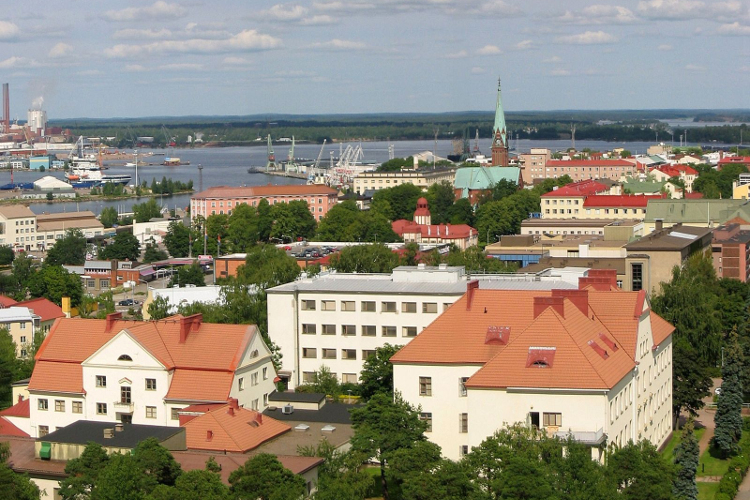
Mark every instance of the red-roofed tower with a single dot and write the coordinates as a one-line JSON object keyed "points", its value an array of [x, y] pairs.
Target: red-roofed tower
{"points": [[422, 213]]}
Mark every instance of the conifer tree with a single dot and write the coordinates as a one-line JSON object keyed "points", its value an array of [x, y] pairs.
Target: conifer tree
{"points": [[687, 455], [728, 416]]}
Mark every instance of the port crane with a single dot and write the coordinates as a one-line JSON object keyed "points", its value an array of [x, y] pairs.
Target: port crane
{"points": [[271, 164], [314, 171]]}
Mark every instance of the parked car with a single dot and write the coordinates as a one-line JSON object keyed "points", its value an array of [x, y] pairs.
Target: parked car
{"points": [[717, 391], [127, 302]]}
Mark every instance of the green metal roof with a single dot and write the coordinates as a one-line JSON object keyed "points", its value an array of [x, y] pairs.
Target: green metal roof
{"points": [[500, 119], [643, 187], [697, 211], [473, 178]]}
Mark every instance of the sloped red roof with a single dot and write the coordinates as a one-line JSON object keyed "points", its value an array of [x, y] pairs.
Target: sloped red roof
{"points": [[20, 409], [728, 160], [269, 190], [8, 429], [676, 170], [444, 231], [583, 188], [6, 301], [621, 200], [589, 163], [44, 308]]}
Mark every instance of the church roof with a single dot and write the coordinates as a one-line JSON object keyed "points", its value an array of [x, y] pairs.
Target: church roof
{"points": [[479, 178], [499, 126]]}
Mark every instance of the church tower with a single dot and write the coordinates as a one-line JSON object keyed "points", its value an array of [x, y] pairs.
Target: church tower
{"points": [[499, 134], [422, 214]]}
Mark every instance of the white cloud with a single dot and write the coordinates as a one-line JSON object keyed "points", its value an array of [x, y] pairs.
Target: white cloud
{"points": [[489, 50], [476, 70], [600, 14], [664, 46], [337, 44], [159, 11], [318, 20], [734, 29], [18, 62], [60, 50], [457, 55], [695, 67], [294, 14], [588, 38], [181, 66], [139, 34], [8, 31], [135, 68], [525, 45], [248, 40], [494, 8], [498, 8], [677, 10], [236, 61], [559, 72], [553, 59]]}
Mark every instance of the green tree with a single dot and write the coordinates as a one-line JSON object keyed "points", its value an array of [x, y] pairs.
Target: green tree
{"points": [[156, 462], [383, 426], [728, 416], [691, 380], [341, 475], [686, 454], [188, 275], [336, 223], [124, 247], [144, 212], [83, 472], [461, 212], [54, 283], [177, 239], [193, 485], [265, 220], [69, 250], [122, 478], [264, 478], [440, 197], [159, 308], [292, 220], [503, 188], [376, 258], [377, 372], [402, 200], [15, 486], [640, 471], [216, 230], [109, 216], [153, 253], [242, 231], [267, 266], [6, 255], [8, 367], [326, 383], [446, 480]]}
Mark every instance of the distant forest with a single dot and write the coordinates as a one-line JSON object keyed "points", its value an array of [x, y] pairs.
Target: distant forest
{"points": [[618, 125]]}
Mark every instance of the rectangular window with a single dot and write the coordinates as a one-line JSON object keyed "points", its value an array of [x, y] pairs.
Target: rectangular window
{"points": [[348, 354], [368, 330], [366, 353], [125, 394], [43, 404], [349, 378], [59, 405], [349, 330], [104, 284], [426, 417], [308, 377], [329, 353], [463, 450], [101, 381], [254, 405], [429, 307], [90, 283], [328, 329], [309, 352], [151, 412], [308, 305], [265, 373], [409, 331], [101, 408], [463, 423], [77, 407], [308, 329], [43, 430], [265, 400], [368, 306], [175, 413], [425, 386], [23, 339], [389, 331], [462, 386], [254, 379], [389, 307], [408, 307], [241, 383], [328, 305], [348, 305], [554, 419], [23, 326], [150, 384], [637, 276]]}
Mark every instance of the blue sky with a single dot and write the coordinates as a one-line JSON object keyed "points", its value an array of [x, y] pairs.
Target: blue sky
{"points": [[83, 58]]}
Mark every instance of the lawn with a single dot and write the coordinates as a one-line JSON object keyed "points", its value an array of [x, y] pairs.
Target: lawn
{"points": [[676, 437], [711, 463], [707, 491]]}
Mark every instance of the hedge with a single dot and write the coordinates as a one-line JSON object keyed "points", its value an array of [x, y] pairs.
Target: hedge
{"points": [[738, 466]]}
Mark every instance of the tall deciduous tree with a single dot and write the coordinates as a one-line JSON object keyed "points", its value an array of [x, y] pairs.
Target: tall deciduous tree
{"points": [[124, 247], [686, 454], [728, 417], [109, 216], [69, 250], [188, 275], [640, 471], [177, 240], [156, 461], [402, 200], [377, 372], [691, 380], [13, 485], [144, 212], [376, 258], [153, 253], [54, 283], [267, 266], [440, 197], [83, 472], [242, 231], [292, 221], [264, 478]]}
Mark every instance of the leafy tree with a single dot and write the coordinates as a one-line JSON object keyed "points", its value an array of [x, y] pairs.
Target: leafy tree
{"points": [[376, 258], [687, 454], [109, 216], [461, 212], [346, 222], [122, 478], [625, 154], [264, 478], [188, 275], [193, 485], [83, 472], [405, 464], [265, 220], [25, 365], [383, 426], [124, 247], [476, 261], [640, 471], [54, 283], [144, 212], [728, 417], [340, 476], [159, 308], [216, 230], [267, 266], [377, 372], [177, 239], [242, 231], [69, 250], [446, 480], [326, 383], [292, 220], [441, 197], [503, 189], [402, 200], [153, 253], [12, 485], [6, 255], [156, 461], [577, 476], [8, 367], [691, 380]]}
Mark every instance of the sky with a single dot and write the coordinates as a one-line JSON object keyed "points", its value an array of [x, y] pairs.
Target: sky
{"points": [[105, 59]]}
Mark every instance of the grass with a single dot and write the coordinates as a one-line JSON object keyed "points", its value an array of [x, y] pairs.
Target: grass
{"points": [[711, 463], [707, 491], [376, 491], [676, 438]]}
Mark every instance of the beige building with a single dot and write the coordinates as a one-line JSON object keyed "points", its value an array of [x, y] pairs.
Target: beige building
{"points": [[18, 227], [533, 164], [579, 170], [23, 229], [576, 226], [20, 323], [424, 178]]}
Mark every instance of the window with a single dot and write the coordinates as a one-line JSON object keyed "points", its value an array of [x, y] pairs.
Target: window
{"points": [[265, 373], [637, 276], [151, 412], [101, 381], [59, 405], [463, 450], [446, 305], [348, 305], [104, 284], [348, 354], [241, 384], [463, 423], [150, 384], [349, 378], [429, 307], [308, 305], [23, 353], [389, 331], [77, 406], [349, 330], [254, 379], [425, 386], [254, 404], [366, 353], [554, 419], [125, 394], [124, 357], [408, 307], [462, 386], [389, 307], [309, 352], [409, 331], [368, 306], [101, 408], [43, 430], [90, 283], [265, 399], [368, 330], [23, 326], [175, 414], [308, 329], [328, 305], [308, 377], [329, 353], [43, 404], [328, 329], [426, 417], [23, 339]]}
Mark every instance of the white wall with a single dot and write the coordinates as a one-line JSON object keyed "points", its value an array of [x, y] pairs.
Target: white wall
{"points": [[256, 365]]}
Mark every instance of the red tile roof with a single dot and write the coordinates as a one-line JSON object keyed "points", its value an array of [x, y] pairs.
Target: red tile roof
{"points": [[192, 460], [234, 430], [676, 170], [589, 163], [269, 190], [444, 231], [44, 308], [583, 188], [6, 301], [621, 200], [728, 160], [8, 429], [20, 409]]}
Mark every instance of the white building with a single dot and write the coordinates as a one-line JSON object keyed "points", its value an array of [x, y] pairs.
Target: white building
{"points": [[144, 372], [155, 228], [595, 363], [182, 295], [338, 319]]}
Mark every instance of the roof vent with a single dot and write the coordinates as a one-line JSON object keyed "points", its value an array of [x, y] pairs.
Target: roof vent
{"points": [[119, 427], [209, 435], [327, 428], [610, 343], [287, 410], [497, 335], [302, 427], [599, 349]]}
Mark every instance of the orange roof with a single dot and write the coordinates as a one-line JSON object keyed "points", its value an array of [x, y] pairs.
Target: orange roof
{"points": [[589, 338], [444, 231], [269, 190], [57, 377], [199, 385], [6, 301], [20, 409], [8, 429], [582, 188], [44, 308], [232, 430]]}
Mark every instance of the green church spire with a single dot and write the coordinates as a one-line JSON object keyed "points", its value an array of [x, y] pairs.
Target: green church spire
{"points": [[499, 132]]}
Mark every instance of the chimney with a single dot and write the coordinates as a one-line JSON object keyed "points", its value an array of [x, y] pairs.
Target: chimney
{"points": [[259, 418], [579, 298], [188, 324], [20, 398], [119, 427], [110, 321], [658, 224], [234, 403], [209, 435], [230, 411], [471, 288], [542, 303], [602, 276]]}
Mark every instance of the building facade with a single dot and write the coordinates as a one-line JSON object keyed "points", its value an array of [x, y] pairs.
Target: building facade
{"points": [[534, 164], [422, 231], [423, 178], [579, 170], [731, 251]]}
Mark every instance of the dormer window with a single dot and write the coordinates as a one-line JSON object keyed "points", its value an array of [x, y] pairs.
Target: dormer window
{"points": [[540, 364], [124, 357], [540, 357]]}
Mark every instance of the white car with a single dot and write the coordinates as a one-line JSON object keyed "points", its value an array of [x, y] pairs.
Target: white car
{"points": [[717, 391]]}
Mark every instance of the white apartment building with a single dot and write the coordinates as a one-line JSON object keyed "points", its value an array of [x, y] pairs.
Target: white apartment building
{"points": [[24, 230], [374, 181], [595, 363], [144, 372], [18, 227], [338, 319], [21, 322]]}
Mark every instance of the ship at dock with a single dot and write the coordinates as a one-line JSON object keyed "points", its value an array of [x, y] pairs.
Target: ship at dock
{"points": [[85, 170]]}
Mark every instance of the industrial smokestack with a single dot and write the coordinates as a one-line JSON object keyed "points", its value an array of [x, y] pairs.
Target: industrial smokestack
{"points": [[6, 108]]}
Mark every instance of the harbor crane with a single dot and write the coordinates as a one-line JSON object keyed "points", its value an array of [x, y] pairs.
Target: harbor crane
{"points": [[271, 164]]}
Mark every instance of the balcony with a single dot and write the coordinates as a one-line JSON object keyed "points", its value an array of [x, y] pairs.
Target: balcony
{"points": [[591, 438], [121, 405]]}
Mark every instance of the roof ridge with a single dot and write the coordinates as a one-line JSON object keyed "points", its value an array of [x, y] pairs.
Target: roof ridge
{"points": [[228, 433]]}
